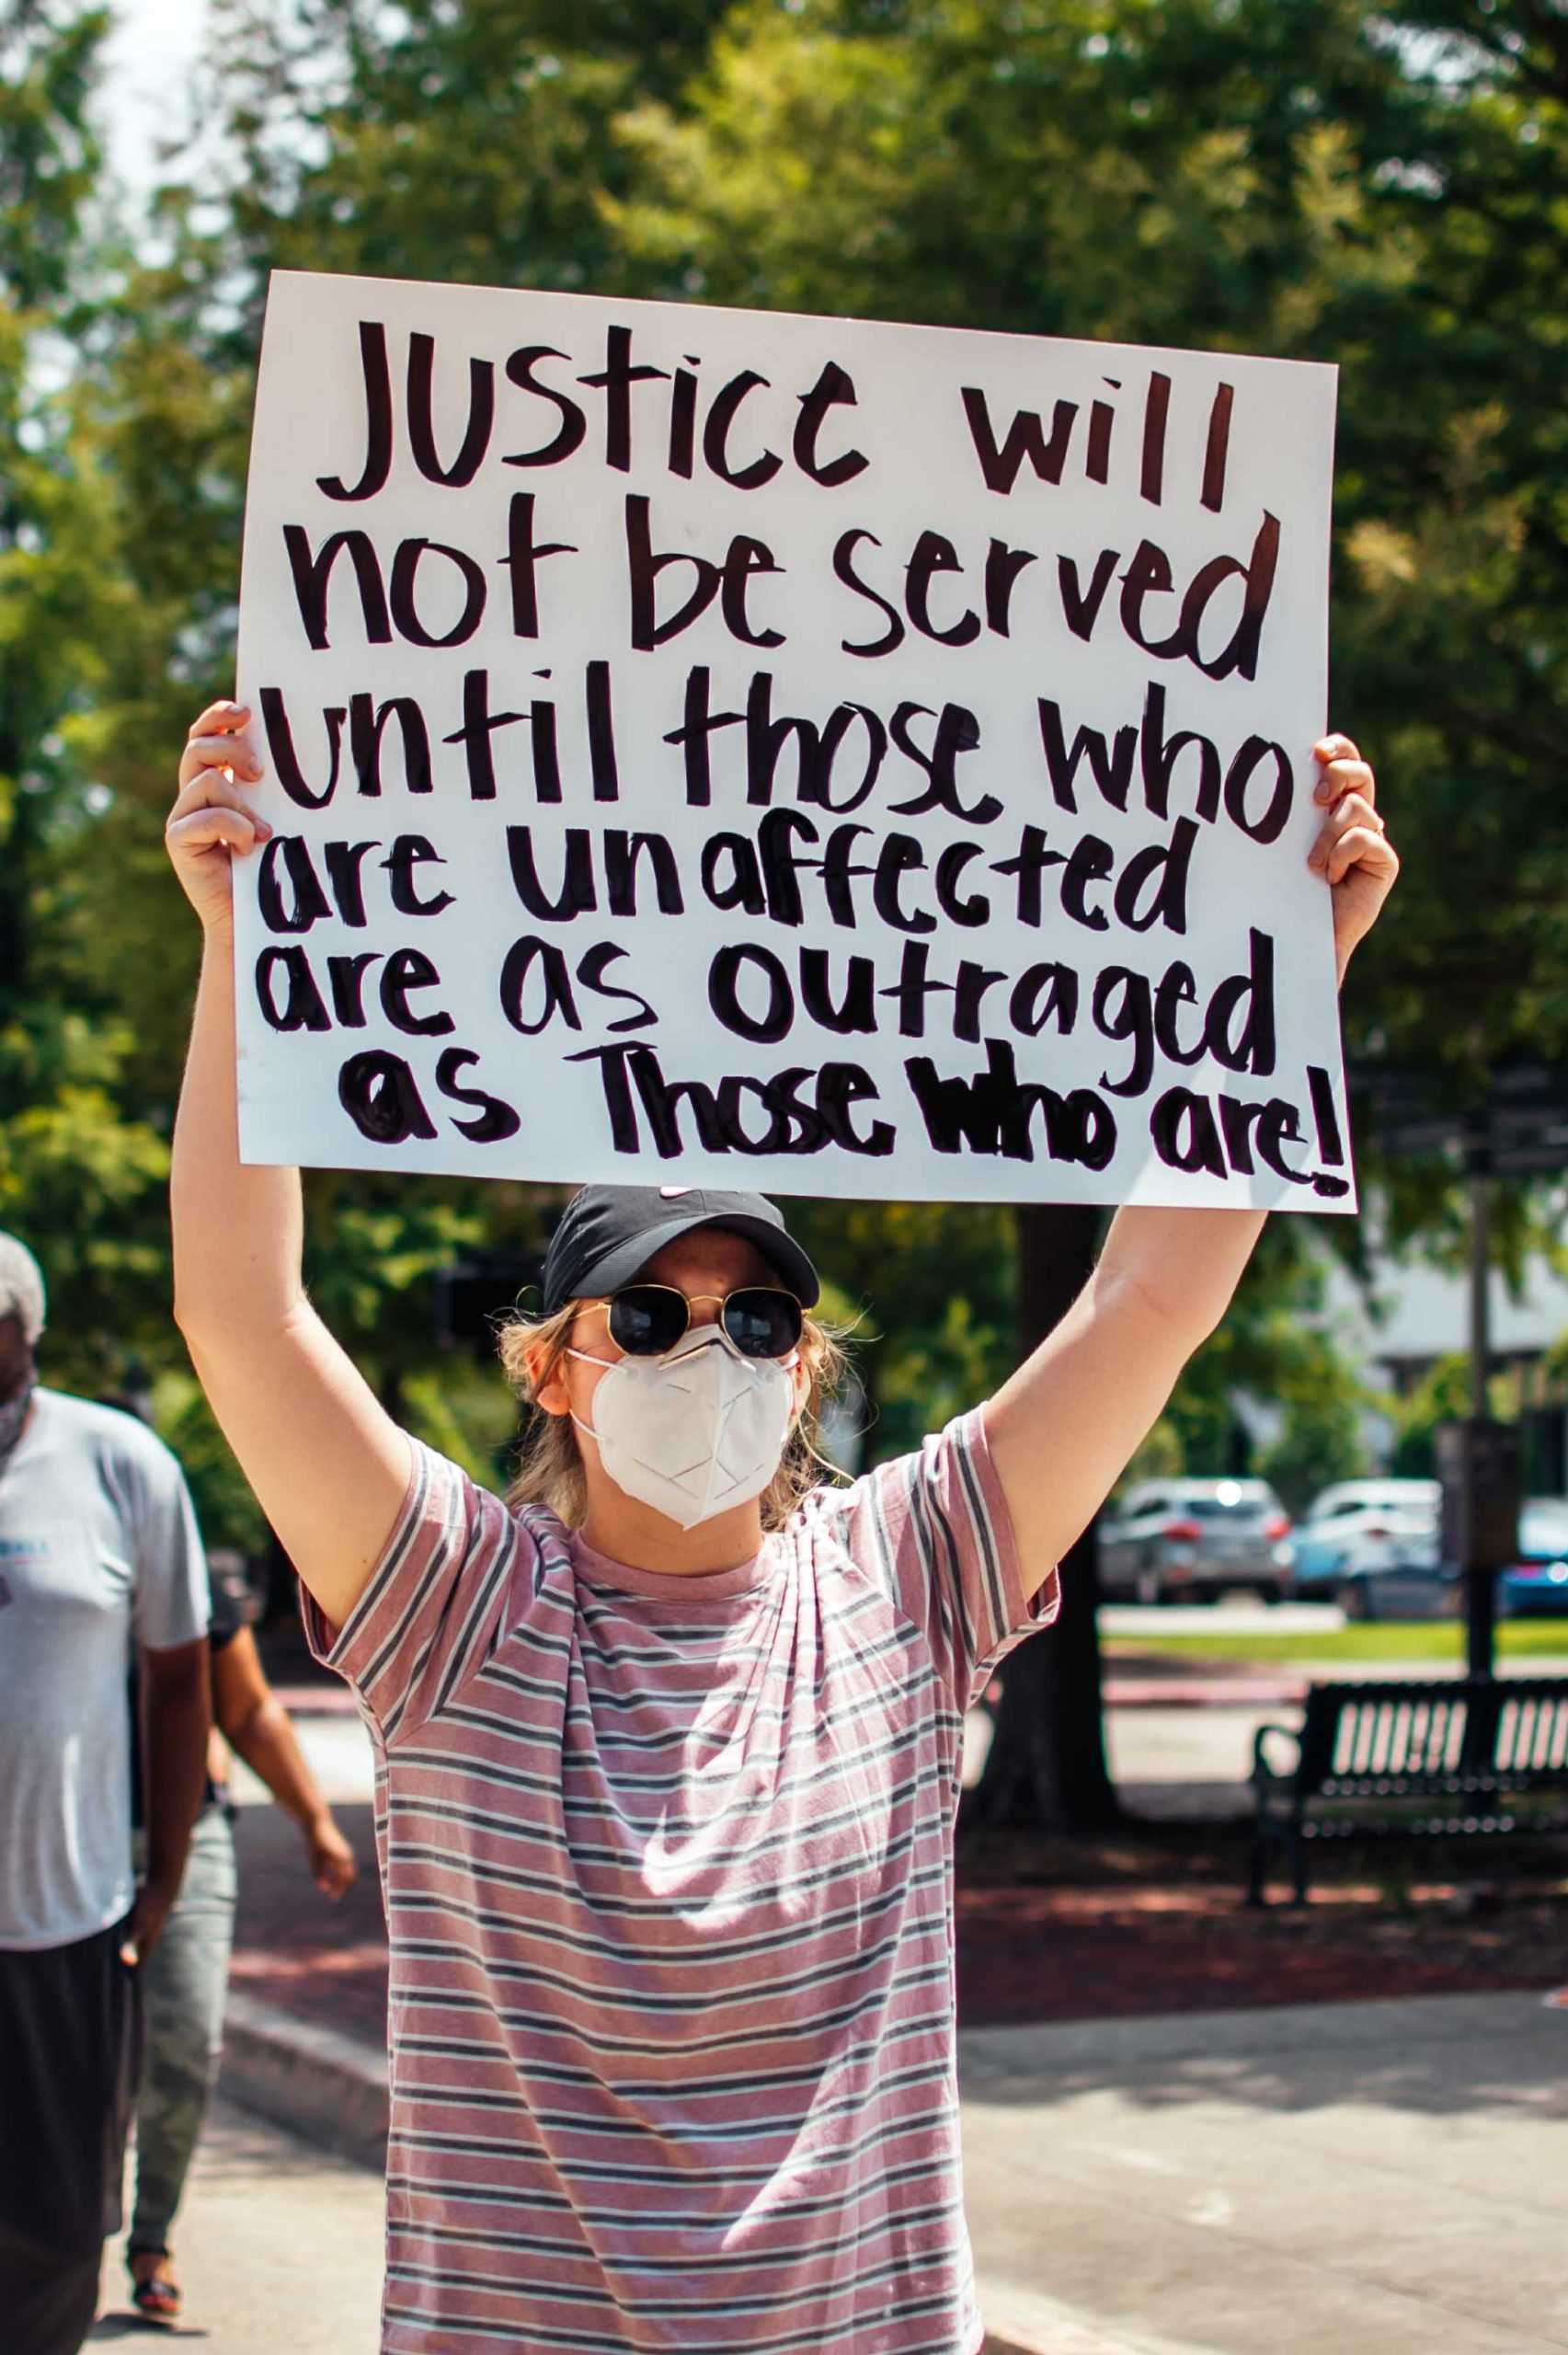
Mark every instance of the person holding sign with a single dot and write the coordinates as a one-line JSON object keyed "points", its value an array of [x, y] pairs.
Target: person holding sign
{"points": [[669, 1742]]}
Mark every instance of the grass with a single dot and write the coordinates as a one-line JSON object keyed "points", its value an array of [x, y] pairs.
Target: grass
{"points": [[1439, 1642]]}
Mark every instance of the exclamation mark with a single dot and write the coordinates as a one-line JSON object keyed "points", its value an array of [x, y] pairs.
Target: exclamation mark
{"points": [[1331, 1144]]}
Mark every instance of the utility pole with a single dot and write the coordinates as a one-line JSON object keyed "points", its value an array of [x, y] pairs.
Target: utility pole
{"points": [[1479, 1460], [1481, 1580]]}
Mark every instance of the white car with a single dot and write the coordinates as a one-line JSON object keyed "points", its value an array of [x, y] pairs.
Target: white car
{"points": [[1345, 1519]]}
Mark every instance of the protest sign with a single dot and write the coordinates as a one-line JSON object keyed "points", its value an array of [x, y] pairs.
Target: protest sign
{"points": [[721, 747]]}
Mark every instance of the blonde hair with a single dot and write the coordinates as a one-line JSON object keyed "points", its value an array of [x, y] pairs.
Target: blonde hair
{"points": [[550, 1466]]}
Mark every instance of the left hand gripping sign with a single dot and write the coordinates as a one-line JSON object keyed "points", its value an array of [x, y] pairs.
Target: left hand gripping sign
{"points": [[843, 758]]}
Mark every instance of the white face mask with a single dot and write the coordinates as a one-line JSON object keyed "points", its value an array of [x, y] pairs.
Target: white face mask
{"points": [[695, 1432]]}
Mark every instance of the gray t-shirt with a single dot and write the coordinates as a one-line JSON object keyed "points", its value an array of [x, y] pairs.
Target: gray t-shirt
{"points": [[99, 1555]]}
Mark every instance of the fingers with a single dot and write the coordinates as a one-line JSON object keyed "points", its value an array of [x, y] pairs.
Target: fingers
{"points": [[205, 829], [1344, 772], [1354, 814], [132, 1943], [210, 789], [1363, 847], [223, 718], [220, 752]]}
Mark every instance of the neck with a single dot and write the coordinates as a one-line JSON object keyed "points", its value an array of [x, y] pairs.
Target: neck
{"points": [[622, 1530]]}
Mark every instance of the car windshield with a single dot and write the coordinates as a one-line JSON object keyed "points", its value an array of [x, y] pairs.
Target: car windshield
{"points": [[1224, 1508]]}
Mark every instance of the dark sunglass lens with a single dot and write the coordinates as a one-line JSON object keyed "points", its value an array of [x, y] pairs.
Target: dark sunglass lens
{"points": [[646, 1320], [762, 1324]]}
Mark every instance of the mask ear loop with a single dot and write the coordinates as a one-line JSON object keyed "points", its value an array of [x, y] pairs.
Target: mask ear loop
{"points": [[588, 1358]]}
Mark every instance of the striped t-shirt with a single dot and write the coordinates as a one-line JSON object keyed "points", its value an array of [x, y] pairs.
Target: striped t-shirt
{"points": [[668, 1868]]}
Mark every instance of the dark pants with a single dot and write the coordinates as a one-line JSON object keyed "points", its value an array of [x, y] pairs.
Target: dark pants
{"points": [[70, 2054]]}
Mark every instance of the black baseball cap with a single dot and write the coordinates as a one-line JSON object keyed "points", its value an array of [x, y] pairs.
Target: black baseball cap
{"points": [[608, 1233]]}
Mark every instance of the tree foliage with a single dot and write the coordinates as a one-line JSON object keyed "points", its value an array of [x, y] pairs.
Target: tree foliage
{"points": [[81, 1169], [1311, 178]]}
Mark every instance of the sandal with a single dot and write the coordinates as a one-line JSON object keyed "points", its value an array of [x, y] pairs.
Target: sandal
{"points": [[157, 2296]]}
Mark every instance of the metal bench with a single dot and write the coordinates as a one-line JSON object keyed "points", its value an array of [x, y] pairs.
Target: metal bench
{"points": [[1451, 1758]]}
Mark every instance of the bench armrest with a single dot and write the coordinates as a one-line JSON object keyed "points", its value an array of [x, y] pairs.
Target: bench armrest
{"points": [[1263, 1772]]}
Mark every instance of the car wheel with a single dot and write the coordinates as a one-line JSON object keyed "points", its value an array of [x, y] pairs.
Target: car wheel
{"points": [[1355, 1600], [1275, 1589]]}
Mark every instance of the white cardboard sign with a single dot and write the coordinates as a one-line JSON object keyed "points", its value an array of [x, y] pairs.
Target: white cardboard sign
{"points": [[831, 756]]}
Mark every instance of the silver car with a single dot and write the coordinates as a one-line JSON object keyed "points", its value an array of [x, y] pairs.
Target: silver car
{"points": [[1188, 1540]]}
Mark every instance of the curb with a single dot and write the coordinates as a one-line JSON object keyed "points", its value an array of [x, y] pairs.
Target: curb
{"points": [[327, 2087]]}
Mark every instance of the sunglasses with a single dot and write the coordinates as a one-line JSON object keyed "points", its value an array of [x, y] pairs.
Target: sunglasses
{"points": [[760, 1321]]}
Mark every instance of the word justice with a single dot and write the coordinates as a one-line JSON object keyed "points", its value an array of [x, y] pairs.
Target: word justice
{"points": [[696, 428]]}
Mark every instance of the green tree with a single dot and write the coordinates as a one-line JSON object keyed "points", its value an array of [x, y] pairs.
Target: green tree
{"points": [[1311, 178], [80, 1176]]}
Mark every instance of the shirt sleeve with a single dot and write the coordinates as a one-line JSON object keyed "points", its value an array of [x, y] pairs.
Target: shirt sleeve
{"points": [[934, 1529], [435, 1602], [173, 1599]]}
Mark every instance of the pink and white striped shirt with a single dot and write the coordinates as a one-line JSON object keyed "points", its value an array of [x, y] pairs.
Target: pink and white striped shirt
{"points": [[668, 1866]]}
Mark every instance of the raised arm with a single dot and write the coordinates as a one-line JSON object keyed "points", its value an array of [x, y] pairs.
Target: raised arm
{"points": [[1065, 1426], [328, 1466]]}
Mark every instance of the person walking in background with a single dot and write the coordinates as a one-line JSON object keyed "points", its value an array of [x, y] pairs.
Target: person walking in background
{"points": [[100, 1566], [187, 1979]]}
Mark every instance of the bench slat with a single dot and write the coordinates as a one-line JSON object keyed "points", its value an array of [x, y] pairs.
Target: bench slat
{"points": [[1451, 1756]]}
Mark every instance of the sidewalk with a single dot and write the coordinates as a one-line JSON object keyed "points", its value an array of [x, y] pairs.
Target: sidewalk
{"points": [[1357, 2179], [1386, 2174], [1147, 2175]]}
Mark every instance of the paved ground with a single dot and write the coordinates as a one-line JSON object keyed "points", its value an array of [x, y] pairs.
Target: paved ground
{"points": [[1356, 2180], [279, 2250], [1364, 2180]]}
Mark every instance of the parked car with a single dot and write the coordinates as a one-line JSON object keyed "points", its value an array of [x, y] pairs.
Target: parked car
{"points": [[1536, 1586], [1395, 1577], [1397, 1573], [1323, 1540], [1188, 1540]]}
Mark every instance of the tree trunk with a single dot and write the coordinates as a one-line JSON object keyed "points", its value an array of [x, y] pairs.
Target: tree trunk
{"points": [[1047, 1765]]}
